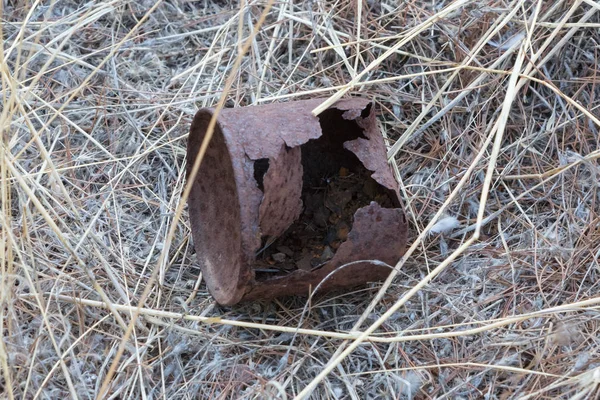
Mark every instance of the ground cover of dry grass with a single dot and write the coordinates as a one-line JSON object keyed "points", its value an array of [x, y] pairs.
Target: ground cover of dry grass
{"points": [[491, 111]]}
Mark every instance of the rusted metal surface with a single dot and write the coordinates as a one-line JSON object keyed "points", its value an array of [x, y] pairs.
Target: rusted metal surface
{"points": [[262, 164], [281, 204], [367, 148]]}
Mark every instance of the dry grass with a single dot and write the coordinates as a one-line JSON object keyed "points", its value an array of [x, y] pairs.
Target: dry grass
{"points": [[491, 109]]}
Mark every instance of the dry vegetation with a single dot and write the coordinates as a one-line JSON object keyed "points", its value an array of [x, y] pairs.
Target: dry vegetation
{"points": [[491, 109]]}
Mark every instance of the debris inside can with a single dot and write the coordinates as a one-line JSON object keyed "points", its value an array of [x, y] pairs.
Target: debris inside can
{"points": [[329, 207]]}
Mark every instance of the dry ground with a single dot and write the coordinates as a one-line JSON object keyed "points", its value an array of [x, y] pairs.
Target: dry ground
{"points": [[491, 109]]}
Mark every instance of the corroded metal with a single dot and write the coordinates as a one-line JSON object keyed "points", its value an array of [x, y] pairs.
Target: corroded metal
{"points": [[250, 188]]}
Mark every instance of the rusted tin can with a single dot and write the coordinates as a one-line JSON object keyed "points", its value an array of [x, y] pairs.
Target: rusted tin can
{"points": [[284, 201]]}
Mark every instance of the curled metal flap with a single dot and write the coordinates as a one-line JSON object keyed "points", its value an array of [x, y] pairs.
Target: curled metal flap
{"points": [[377, 234], [281, 204], [365, 149]]}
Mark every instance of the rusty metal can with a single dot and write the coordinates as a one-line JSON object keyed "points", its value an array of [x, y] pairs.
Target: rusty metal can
{"points": [[285, 201]]}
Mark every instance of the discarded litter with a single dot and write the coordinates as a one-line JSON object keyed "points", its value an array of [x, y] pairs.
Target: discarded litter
{"points": [[283, 198]]}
